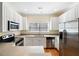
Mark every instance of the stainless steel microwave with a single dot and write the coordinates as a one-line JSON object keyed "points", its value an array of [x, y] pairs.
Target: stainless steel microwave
{"points": [[13, 25]]}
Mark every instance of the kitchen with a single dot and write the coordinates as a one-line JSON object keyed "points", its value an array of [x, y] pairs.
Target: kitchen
{"points": [[33, 29]]}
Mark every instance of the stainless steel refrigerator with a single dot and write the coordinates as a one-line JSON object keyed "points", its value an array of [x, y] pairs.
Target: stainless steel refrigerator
{"points": [[69, 38]]}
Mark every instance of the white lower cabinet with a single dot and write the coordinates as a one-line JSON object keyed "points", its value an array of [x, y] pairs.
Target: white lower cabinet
{"points": [[35, 42], [28, 42], [57, 42]]}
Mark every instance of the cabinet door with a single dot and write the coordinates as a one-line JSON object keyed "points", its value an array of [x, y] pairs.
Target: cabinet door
{"points": [[61, 27], [77, 11], [69, 15], [55, 23], [72, 26], [36, 42], [39, 42], [72, 14], [57, 42], [28, 42], [62, 18], [43, 42]]}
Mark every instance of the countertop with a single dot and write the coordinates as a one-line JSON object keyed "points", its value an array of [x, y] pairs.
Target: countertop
{"points": [[36, 36], [9, 50], [40, 33]]}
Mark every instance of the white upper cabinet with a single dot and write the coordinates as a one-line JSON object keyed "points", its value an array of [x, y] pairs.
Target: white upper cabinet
{"points": [[62, 18], [54, 23], [61, 27], [11, 15], [77, 11], [72, 26], [70, 15]]}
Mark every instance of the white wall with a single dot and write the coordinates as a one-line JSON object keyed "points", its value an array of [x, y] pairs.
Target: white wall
{"points": [[10, 14]]}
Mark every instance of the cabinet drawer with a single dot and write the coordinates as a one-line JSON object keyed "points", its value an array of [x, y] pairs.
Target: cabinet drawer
{"points": [[28, 42]]}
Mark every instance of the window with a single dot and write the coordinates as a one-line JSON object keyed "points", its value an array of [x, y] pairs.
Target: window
{"points": [[38, 27], [43, 27]]}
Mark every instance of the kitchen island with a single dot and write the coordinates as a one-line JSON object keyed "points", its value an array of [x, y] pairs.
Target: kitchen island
{"points": [[38, 40], [9, 50]]}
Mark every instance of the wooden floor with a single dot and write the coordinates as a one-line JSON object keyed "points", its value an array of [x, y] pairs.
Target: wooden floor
{"points": [[53, 52]]}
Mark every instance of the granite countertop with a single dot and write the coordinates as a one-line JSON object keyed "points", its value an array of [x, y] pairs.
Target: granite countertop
{"points": [[36, 36], [8, 50], [40, 33], [52, 32], [1, 34]]}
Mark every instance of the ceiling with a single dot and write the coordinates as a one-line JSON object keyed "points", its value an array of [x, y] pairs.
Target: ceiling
{"points": [[40, 8]]}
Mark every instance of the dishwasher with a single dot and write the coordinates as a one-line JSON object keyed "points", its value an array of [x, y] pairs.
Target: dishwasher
{"points": [[50, 42]]}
